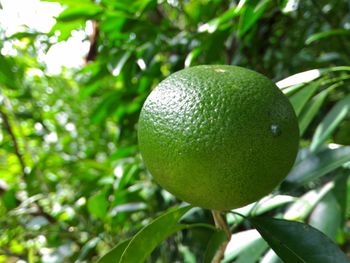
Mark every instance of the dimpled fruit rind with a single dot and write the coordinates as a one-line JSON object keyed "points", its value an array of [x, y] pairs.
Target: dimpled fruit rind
{"points": [[218, 137]]}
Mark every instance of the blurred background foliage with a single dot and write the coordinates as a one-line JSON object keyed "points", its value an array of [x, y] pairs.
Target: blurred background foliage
{"points": [[72, 183]]}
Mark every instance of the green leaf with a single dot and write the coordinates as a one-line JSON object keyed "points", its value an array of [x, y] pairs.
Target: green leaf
{"points": [[326, 34], [330, 122], [257, 208], [300, 98], [341, 194], [299, 78], [326, 216], [85, 250], [115, 253], [117, 64], [215, 23], [311, 109], [241, 242], [214, 244], [105, 107], [7, 73], [317, 165], [98, 205], [253, 252], [296, 242], [289, 5], [191, 56], [301, 208], [252, 11], [80, 12], [9, 199], [149, 237], [65, 28], [271, 257]]}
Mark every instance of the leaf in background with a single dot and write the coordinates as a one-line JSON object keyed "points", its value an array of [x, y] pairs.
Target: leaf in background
{"points": [[296, 242], [80, 12], [311, 109], [317, 165], [326, 34], [341, 194], [65, 28], [149, 237], [7, 74], [271, 257], [115, 253], [215, 23], [251, 13], [299, 78], [289, 6], [300, 98], [214, 244], [123, 152], [330, 122], [303, 206], [264, 205], [242, 241], [98, 205], [191, 56], [326, 216], [9, 199], [253, 252], [105, 107], [117, 64], [85, 250]]}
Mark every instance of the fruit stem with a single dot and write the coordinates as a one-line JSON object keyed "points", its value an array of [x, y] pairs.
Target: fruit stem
{"points": [[221, 223]]}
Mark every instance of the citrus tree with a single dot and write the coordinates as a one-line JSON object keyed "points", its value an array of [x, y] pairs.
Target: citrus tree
{"points": [[73, 185]]}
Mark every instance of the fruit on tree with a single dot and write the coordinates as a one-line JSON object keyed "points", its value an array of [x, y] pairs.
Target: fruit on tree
{"points": [[217, 136]]}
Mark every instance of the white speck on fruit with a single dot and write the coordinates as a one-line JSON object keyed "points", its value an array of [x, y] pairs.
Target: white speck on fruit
{"points": [[275, 129], [220, 70]]}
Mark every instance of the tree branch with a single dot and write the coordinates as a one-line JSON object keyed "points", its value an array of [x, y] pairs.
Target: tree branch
{"points": [[9, 129], [92, 54]]}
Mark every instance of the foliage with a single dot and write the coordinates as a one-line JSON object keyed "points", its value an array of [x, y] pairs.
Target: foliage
{"points": [[72, 183]]}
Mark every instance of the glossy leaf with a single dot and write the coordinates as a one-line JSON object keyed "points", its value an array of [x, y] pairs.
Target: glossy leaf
{"points": [[326, 216], [299, 78], [241, 242], [330, 122], [303, 206], [252, 11], [317, 165], [264, 205], [311, 109], [289, 6], [149, 237], [300, 98], [253, 252], [327, 34], [284, 237], [271, 257]]}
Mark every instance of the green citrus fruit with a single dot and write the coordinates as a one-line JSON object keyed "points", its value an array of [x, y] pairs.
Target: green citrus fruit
{"points": [[216, 136]]}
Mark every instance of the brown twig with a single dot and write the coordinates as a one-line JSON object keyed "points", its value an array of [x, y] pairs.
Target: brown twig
{"points": [[9, 129], [92, 54], [221, 223]]}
